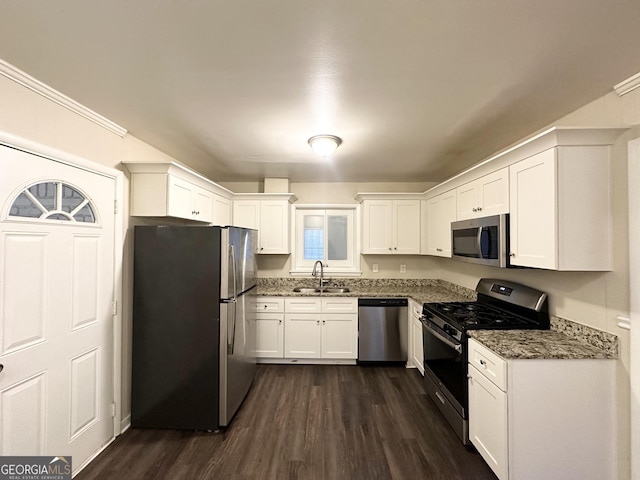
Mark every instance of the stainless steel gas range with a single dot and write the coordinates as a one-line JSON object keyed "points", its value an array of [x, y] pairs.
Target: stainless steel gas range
{"points": [[500, 305]]}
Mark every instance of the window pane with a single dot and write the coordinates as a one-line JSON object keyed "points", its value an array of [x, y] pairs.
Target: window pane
{"points": [[45, 193], [24, 207], [314, 237], [85, 214], [71, 198], [337, 238], [57, 216]]}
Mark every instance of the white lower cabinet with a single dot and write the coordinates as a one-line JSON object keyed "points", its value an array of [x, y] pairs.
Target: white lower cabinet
{"points": [[339, 336], [313, 328], [269, 335], [416, 356], [270, 327], [303, 336], [542, 418], [328, 329]]}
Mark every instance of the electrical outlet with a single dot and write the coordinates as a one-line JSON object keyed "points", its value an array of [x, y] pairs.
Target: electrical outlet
{"points": [[375, 268], [403, 268]]}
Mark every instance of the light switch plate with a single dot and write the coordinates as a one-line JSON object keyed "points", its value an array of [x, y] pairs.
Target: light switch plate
{"points": [[403, 268], [375, 268]]}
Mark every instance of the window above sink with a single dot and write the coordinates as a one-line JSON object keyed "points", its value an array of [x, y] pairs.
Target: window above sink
{"points": [[328, 234]]}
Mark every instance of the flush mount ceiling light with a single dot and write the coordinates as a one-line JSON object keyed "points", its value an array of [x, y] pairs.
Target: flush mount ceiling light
{"points": [[324, 145]]}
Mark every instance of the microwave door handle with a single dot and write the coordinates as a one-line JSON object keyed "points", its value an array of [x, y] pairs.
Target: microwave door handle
{"points": [[479, 243], [484, 247]]}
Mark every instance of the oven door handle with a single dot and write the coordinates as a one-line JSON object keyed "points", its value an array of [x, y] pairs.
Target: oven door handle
{"points": [[456, 346]]}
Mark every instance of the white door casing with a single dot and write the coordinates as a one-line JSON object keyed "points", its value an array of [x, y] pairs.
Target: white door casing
{"points": [[634, 289], [57, 324]]}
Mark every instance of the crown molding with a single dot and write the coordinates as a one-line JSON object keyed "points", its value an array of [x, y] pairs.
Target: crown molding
{"points": [[26, 80], [628, 85]]}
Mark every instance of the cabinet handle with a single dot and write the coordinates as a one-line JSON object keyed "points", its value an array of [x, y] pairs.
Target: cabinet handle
{"points": [[318, 322], [261, 248], [395, 248], [512, 254], [482, 362], [440, 397], [265, 307], [323, 322], [389, 248], [438, 249], [479, 209], [474, 209], [280, 321]]}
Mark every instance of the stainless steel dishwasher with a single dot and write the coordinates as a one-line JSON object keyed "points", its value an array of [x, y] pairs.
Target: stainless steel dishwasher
{"points": [[382, 330]]}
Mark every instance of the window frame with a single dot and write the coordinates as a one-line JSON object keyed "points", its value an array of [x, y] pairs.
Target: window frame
{"points": [[349, 267]]}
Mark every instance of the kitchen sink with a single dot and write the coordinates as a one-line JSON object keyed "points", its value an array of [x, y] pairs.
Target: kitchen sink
{"points": [[335, 290], [306, 290], [324, 290]]}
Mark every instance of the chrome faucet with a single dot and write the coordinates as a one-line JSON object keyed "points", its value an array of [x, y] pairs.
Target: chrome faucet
{"points": [[314, 272]]}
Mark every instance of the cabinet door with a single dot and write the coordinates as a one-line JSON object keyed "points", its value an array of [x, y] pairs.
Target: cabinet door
{"points": [[533, 225], [377, 226], [493, 193], [270, 335], [406, 227], [179, 199], [274, 227], [246, 213], [202, 204], [441, 211], [302, 335], [488, 422], [483, 197], [340, 336], [221, 210], [467, 201]]}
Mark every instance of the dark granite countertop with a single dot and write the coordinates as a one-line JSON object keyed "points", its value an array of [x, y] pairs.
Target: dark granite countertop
{"points": [[538, 344], [420, 290], [565, 340]]}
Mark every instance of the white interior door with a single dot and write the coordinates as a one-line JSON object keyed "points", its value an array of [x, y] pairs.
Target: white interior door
{"points": [[56, 314]]}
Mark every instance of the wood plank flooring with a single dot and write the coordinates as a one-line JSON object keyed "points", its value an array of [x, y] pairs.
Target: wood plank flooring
{"points": [[307, 422]]}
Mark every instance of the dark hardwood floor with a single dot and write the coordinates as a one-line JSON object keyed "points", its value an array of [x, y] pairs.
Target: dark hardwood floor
{"points": [[307, 422]]}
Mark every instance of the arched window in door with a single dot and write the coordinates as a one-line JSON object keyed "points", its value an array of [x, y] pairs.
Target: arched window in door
{"points": [[53, 201]]}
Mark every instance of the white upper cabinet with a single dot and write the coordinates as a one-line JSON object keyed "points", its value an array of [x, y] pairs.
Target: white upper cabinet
{"points": [[222, 210], [270, 215], [390, 226], [172, 190], [561, 209], [439, 212], [486, 196]]}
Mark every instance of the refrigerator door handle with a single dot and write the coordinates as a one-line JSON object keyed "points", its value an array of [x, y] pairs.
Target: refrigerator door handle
{"points": [[231, 331]]}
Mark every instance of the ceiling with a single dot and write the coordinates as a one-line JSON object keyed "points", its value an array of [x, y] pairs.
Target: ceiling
{"points": [[417, 89]]}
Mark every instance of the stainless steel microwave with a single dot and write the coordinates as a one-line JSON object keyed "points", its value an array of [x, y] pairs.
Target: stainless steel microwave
{"points": [[481, 240]]}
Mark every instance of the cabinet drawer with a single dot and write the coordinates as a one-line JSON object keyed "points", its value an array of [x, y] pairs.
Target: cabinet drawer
{"points": [[340, 305], [303, 305], [488, 364], [270, 304]]}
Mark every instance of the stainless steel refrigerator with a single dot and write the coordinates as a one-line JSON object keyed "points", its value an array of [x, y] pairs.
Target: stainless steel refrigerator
{"points": [[193, 325]]}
